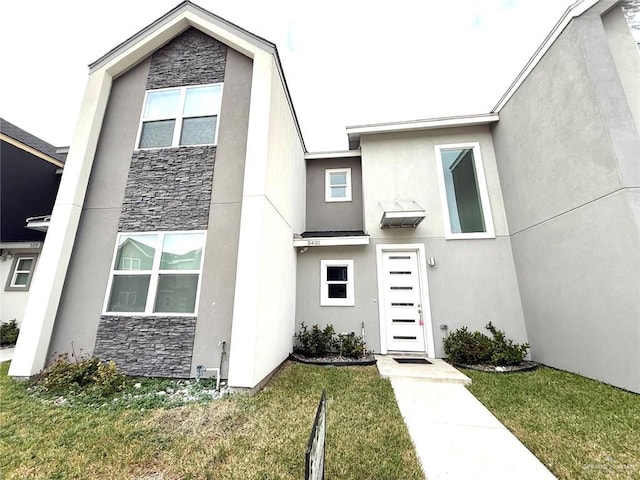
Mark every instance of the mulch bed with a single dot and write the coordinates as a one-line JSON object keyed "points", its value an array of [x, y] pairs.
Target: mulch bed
{"points": [[524, 366], [333, 360]]}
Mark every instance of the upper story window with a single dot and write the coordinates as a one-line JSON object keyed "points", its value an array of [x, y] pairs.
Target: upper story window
{"points": [[175, 117], [21, 272], [336, 283], [338, 185], [463, 191], [156, 273]]}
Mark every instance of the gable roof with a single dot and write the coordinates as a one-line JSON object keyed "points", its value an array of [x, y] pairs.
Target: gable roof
{"points": [[185, 15], [24, 140], [575, 10]]}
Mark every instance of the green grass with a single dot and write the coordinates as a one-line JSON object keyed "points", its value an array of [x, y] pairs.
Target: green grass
{"points": [[261, 437], [579, 428]]}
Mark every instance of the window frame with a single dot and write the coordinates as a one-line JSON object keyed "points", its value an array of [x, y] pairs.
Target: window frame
{"points": [[483, 192], [328, 197], [154, 273], [10, 286], [325, 300], [179, 117]]}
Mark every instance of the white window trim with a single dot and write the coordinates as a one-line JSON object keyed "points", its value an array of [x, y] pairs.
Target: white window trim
{"points": [[177, 130], [155, 273], [325, 301], [327, 185], [482, 189], [11, 279]]}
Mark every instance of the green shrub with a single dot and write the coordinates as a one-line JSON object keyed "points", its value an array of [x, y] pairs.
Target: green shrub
{"points": [[505, 352], [351, 346], [86, 375], [462, 346], [315, 342], [9, 333]]}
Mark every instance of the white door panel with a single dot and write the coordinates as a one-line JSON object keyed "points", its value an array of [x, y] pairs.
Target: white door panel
{"points": [[402, 302]]}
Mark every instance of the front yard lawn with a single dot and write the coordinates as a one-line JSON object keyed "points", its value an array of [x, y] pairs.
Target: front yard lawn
{"points": [[579, 428], [260, 437]]}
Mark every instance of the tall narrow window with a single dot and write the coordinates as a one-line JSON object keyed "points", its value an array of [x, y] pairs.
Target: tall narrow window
{"points": [[336, 283], [180, 116], [156, 273], [465, 200], [338, 185], [21, 272]]}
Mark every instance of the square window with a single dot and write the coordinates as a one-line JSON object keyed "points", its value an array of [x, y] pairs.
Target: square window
{"points": [[156, 272], [463, 190], [21, 272], [338, 185], [180, 117], [336, 283]]}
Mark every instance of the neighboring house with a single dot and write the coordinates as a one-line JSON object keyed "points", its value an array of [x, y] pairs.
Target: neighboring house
{"points": [[208, 234], [30, 171]]}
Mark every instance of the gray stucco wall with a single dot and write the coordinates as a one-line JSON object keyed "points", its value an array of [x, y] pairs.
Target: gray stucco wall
{"points": [[86, 282], [567, 150], [474, 280], [219, 272], [343, 319], [323, 216], [168, 189]]}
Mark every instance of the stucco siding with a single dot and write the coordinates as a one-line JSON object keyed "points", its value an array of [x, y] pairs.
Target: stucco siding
{"points": [[86, 281], [402, 166], [567, 149], [322, 215], [343, 319], [580, 283], [626, 56], [272, 210], [473, 281], [217, 293]]}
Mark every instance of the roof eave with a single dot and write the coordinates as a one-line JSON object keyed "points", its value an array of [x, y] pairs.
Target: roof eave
{"points": [[356, 131], [573, 11]]}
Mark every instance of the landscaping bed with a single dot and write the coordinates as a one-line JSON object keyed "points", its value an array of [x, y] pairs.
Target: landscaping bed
{"points": [[524, 366], [334, 360]]}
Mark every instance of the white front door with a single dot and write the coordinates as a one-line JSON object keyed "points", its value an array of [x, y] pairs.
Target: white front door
{"points": [[402, 301]]}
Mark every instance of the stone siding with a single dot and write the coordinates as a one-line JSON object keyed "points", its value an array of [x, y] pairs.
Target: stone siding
{"points": [[193, 58], [168, 189], [147, 346]]}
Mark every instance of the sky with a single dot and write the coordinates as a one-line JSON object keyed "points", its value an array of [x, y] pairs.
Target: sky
{"points": [[347, 62]]}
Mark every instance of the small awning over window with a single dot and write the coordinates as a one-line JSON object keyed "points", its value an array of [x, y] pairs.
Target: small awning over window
{"points": [[401, 214], [40, 224]]}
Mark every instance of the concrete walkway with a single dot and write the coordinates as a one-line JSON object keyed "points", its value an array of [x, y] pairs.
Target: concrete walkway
{"points": [[6, 354], [455, 436]]}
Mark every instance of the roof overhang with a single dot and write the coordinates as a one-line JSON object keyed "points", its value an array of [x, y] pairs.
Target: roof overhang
{"points": [[31, 150], [329, 239], [575, 10], [355, 132], [329, 155]]}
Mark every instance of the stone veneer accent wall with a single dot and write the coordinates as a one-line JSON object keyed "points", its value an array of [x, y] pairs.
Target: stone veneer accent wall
{"points": [[193, 58], [147, 346], [167, 189]]}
